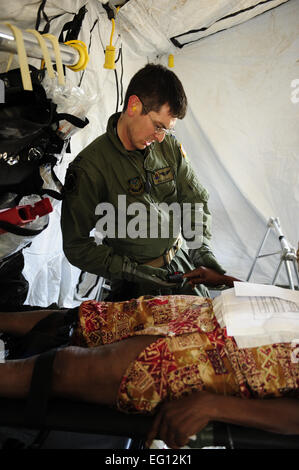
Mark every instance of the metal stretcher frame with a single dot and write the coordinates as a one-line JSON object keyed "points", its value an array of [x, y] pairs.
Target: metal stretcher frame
{"points": [[71, 416]]}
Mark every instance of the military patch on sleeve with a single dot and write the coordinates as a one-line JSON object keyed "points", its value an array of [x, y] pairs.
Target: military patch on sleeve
{"points": [[71, 180], [136, 186], [163, 175]]}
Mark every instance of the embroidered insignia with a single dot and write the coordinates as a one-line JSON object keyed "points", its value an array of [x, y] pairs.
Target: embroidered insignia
{"points": [[136, 185], [163, 175], [71, 180]]}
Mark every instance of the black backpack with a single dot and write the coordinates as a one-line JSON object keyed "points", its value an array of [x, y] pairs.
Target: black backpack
{"points": [[28, 138]]}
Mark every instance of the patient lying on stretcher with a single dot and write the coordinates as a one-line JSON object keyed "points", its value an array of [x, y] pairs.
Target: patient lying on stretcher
{"points": [[163, 354]]}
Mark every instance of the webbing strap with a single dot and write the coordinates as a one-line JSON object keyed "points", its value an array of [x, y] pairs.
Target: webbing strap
{"points": [[40, 389], [56, 49], [25, 73], [22, 231], [38, 18], [44, 48]]}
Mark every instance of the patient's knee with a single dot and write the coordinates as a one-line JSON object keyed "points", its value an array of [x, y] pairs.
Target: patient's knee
{"points": [[95, 374], [88, 374]]}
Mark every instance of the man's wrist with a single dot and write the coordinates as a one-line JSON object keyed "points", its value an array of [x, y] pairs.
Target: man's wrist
{"points": [[230, 281]]}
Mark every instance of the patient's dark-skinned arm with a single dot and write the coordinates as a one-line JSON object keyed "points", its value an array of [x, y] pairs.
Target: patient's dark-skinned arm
{"points": [[209, 277], [177, 420]]}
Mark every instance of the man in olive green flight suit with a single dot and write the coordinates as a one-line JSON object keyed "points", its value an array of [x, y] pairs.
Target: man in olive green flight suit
{"points": [[138, 161]]}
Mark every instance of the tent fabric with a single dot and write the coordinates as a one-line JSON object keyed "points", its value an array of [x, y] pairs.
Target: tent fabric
{"points": [[240, 132], [159, 22], [245, 13]]}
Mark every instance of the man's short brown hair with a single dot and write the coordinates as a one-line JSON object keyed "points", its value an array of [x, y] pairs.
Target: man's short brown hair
{"points": [[156, 85]]}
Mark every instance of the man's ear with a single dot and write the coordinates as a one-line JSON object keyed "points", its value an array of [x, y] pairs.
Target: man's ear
{"points": [[133, 103]]}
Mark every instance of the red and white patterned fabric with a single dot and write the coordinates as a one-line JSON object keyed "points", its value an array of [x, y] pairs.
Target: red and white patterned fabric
{"points": [[194, 353]]}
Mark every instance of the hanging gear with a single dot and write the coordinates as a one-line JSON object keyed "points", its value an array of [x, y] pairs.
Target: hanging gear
{"points": [[28, 135], [29, 145], [14, 219]]}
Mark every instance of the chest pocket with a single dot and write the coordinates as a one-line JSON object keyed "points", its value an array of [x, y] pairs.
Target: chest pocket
{"points": [[164, 184]]}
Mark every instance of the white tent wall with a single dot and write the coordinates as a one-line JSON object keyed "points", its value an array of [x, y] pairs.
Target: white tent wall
{"points": [[239, 133], [149, 25]]}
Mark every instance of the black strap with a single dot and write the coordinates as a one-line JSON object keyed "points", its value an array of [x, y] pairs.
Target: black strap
{"points": [[73, 27], [40, 11], [17, 230], [40, 389], [52, 193], [72, 119]]}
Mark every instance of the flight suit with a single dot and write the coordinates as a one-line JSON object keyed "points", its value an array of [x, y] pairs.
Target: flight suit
{"points": [[106, 174]]}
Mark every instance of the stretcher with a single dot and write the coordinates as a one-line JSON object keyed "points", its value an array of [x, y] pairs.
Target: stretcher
{"points": [[46, 414], [64, 415]]}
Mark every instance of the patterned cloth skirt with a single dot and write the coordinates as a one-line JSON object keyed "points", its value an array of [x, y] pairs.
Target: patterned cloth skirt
{"points": [[191, 354]]}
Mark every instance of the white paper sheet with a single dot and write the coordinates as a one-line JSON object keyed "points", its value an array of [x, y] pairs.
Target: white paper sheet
{"points": [[263, 340], [248, 289], [254, 318]]}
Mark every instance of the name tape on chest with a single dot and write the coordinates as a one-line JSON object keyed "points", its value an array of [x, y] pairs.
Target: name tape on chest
{"points": [[163, 176]]}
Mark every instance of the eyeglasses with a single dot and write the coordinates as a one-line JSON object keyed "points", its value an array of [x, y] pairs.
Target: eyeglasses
{"points": [[157, 129]]}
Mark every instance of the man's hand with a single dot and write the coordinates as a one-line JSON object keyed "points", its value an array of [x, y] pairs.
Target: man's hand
{"points": [[208, 277], [178, 420]]}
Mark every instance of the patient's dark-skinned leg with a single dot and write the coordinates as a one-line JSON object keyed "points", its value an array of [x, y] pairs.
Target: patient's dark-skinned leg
{"points": [[20, 323], [91, 375]]}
